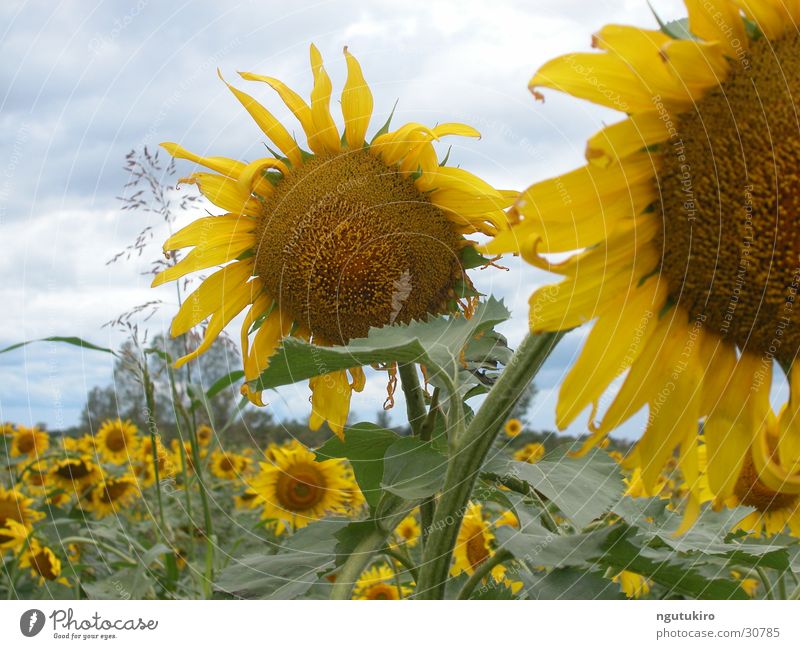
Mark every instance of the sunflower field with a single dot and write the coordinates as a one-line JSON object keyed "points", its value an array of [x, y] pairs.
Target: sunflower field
{"points": [[348, 258]]}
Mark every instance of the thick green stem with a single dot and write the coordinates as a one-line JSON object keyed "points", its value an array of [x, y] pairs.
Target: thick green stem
{"points": [[367, 547], [469, 452], [428, 505], [415, 402], [482, 571]]}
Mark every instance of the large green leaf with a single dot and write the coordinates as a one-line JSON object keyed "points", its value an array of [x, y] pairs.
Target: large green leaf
{"points": [[413, 469], [569, 583], [364, 445], [582, 488], [437, 344]]}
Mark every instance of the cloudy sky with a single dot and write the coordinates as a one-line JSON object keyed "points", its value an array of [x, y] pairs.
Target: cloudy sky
{"points": [[84, 82]]}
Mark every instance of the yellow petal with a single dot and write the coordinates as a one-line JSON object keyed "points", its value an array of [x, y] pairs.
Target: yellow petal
{"points": [[718, 20], [234, 301], [641, 50], [271, 127], [330, 401], [394, 146], [699, 65], [208, 298], [356, 104], [268, 336], [615, 342], [252, 172], [210, 227], [768, 17], [359, 378], [260, 306], [733, 425], [601, 78], [225, 193], [324, 126], [225, 166], [624, 138], [295, 103], [201, 257]]}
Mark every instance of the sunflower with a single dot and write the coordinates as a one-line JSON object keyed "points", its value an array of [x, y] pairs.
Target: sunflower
{"points": [[325, 245], [228, 466], [379, 582], [513, 427], [248, 499], [775, 509], [15, 511], [683, 225], [112, 494], [474, 544], [295, 489], [144, 469], [43, 562], [530, 453], [30, 442], [117, 441], [407, 531], [75, 475], [204, 434]]}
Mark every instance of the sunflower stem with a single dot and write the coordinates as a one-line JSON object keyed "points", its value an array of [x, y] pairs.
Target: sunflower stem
{"points": [[469, 452], [404, 560], [367, 547], [415, 402], [429, 504], [482, 571]]}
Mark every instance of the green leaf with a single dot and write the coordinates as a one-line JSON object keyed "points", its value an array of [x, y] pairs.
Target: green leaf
{"points": [[364, 445], [125, 583], [471, 258], [679, 574], [413, 469], [437, 343], [277, 576], [569, 583], [224, 382], [582, 488], [69, 340]]}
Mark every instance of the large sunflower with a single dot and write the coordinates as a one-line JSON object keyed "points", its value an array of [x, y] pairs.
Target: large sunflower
{"points": [[112, 495], [684, 224], [295, 489], [75, 475], [326, 244]]}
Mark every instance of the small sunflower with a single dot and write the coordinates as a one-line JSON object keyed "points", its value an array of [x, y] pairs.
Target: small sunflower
{"points": [[117, 441], [684, 225], [112, 495], [75, 475], [408, 531], [30, 442], [43, 562], [15, 511], [513, 427], [204, 434], [228, 466], [379, 582], [474, 544], [507, 519], [325, 245], [295, 489], [530, 453]]}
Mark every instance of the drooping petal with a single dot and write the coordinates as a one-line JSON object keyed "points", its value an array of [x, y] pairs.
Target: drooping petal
{"points": [[208, 298], [235, 299], [201, 258], [210, 227], [225, 193], [330, 401], [627, 137]]}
